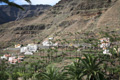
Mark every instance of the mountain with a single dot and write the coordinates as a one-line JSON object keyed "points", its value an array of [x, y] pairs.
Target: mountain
{"points": [[64, 19], [8, 13]]}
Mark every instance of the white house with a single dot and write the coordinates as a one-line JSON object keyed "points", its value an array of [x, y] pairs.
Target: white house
{"points": [[51, 38], [32, 47], [11, 59], [49, 43], [46, 43], [18, 46], [107, 52], [29, 48], [23, 49], [104, 45], [104, 40], [6, 56], [28, 53]]}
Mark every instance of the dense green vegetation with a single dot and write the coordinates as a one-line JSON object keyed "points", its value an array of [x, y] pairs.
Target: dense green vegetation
{"points": [[91, 67], [86, 64]]}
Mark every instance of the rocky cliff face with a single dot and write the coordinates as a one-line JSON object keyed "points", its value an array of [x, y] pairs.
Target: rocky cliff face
{"points": [[63, 19], [8, 13]]}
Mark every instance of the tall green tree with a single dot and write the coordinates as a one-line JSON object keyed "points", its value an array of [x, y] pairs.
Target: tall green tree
{"points": [[74, 71], [92, 68], [52, 73], [3, 73]]}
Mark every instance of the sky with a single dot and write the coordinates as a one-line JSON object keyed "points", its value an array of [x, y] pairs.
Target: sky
{"points": [[35, 2]]}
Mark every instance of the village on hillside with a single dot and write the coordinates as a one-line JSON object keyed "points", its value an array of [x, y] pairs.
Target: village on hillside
{"points": [[31, 49]]}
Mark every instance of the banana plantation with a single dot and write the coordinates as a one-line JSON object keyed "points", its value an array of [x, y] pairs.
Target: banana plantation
{"points": [[69, 62]]}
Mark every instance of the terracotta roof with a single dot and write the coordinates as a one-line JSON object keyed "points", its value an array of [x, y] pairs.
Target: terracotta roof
{"points": [[7, 55], [17, 45]]}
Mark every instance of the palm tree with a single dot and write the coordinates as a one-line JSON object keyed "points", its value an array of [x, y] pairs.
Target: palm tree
{"points": [[63, 44], [13, 4], [37, 76], [49, 50], [13, 75], [73, 71], [92, 68], [52, 73], [65, 41], [3, 73], [43, 53], [55, 50]]}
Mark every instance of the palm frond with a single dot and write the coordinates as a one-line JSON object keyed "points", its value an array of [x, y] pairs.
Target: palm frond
{"points": [[14, 4], [28, 1]]}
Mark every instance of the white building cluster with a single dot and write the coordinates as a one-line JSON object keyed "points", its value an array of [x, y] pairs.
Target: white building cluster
{"points": [[29, 49], [49, 42], [13, 59], [105, 44]]}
